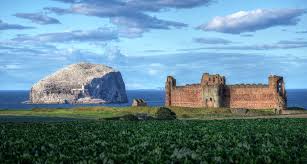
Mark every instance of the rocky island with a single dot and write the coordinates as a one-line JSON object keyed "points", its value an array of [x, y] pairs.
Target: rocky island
{"points": [[82, 83]]}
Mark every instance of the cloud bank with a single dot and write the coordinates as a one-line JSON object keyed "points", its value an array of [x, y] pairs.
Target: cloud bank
{"points": [[212, 41], [100, 34], [250, 21], [7, 26], [131, 16], [38, 18], [149, 72], [301, 32], [284, 44]]}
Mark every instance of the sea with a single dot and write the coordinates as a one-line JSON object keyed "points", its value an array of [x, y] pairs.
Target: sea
{"points": [[13, 100]]}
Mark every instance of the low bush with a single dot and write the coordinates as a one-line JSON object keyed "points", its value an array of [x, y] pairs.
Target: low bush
{"points": [[164, 113]]}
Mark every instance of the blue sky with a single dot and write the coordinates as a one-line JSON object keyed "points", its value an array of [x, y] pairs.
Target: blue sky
{"points": [[149, 39]]}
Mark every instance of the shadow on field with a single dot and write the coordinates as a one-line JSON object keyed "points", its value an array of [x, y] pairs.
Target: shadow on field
{"points": [[22, 119]]}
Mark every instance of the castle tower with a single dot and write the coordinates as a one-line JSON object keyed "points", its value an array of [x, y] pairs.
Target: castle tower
{"points": [[277, 85], [170, 84], [213, 90], [208, 79]]}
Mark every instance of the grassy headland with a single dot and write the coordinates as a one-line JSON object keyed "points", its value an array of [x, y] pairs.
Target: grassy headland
{"points": [[107, 112]]}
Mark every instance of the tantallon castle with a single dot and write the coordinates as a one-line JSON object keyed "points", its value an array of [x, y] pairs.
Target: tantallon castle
{"points": [[213, 92]]}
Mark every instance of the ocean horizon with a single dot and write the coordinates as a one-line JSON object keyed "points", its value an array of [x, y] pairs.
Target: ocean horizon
{"points": [[13, 99]]}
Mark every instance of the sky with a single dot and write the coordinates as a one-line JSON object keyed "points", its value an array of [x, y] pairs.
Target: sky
{"points": [[147, 40]]}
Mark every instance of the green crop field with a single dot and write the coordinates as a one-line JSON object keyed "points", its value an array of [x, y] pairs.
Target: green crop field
{"points": [[212, 141]]}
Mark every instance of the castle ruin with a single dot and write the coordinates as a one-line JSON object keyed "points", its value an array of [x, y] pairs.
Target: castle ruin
{"points": [[212, 92]]}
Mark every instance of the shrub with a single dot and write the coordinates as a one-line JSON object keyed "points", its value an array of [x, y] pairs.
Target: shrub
{"points": [[164, 113]]}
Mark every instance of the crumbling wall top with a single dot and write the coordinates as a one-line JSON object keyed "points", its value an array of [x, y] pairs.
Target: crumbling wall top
{"points": [[248, 86], [216, 79]]}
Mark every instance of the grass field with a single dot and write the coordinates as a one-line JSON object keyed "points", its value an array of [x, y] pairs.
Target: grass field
{"points": [[212, 141], [106, 112]]}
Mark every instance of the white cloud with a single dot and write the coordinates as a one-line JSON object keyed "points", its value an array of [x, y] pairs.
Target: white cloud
{"points": [[250, 21], [113, 53], [12, 66], [152, 71], [39, 18], [96, 35], [156, 69], [7, 26], [156, 65], [212, 41], [131, 16], [131, 32]]}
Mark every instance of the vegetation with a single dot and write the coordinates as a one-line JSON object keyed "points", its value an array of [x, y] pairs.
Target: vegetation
{"points": [[296, 108], [164, 113], [108, 112], [212, 141]]}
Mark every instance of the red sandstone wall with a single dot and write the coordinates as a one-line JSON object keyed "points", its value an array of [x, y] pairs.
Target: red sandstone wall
{"points": [[187, 96], [235, 96], [252, 97]]}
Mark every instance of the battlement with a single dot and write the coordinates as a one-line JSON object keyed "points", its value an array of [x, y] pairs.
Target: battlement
{"points": [[216, 79], [188, 85], [249, 85]]}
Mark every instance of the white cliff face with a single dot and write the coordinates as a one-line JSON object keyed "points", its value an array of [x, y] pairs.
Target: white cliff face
{"points": [[80, 83]]}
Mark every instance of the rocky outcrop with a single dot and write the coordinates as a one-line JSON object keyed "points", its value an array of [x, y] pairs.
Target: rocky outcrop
{"points": [[80, 83]]}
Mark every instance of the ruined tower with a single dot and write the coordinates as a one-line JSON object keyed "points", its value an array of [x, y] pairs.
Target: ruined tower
{"points": [[277, 85], [212, 90], [169, 86]]}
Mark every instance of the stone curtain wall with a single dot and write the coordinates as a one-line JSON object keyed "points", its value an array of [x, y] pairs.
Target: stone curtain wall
{"points": [[187, 96], [212, 92], [251, 97]]}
